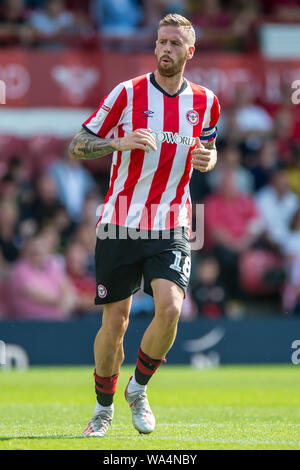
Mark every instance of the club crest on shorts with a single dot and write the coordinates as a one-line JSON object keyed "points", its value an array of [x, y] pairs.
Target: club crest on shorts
{"points": [[192, 117], [102, 291]]}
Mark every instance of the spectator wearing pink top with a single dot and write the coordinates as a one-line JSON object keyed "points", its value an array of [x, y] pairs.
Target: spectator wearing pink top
{"points": [[232, 226], [38, 286]]}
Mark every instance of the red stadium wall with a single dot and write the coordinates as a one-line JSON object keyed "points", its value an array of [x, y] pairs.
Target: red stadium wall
{"points": [[77, 79]]}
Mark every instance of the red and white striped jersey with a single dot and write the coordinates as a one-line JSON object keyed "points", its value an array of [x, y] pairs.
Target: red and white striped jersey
{"points": [[151, 190]]}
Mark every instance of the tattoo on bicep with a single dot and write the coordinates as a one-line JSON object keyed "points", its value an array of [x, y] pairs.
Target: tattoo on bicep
{"points": [[87, 146]]}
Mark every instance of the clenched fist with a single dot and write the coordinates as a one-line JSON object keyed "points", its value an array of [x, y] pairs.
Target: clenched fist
{"points": [[203, 159]]}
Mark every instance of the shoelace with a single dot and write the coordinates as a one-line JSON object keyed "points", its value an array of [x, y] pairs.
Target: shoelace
{"points": [[140, 403], [104, 418]]}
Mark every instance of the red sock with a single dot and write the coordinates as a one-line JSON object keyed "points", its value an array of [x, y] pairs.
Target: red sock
{"points": [[105, 388], [145, 367]]}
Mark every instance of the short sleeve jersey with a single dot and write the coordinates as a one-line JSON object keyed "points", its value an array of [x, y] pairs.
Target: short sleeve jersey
{"points": [[150, 190]]}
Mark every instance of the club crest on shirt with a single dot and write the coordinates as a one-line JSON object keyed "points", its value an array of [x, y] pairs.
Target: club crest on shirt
{"points": [[192, 117], [102, 291]]}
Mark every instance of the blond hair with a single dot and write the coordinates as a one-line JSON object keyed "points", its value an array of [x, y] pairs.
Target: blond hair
{"points": [[174, 19]]}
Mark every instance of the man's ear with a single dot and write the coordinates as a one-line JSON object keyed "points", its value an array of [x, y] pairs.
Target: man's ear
{"points": [[191, 51]]}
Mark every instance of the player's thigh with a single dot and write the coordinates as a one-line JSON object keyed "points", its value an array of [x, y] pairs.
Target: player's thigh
{"points": [[168, 298], [115, 317], [172, 265], [118, 275]]}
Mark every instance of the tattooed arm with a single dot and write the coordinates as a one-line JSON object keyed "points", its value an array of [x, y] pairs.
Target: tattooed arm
{"points": [[204, 157], [89, 146], [213, 154]]}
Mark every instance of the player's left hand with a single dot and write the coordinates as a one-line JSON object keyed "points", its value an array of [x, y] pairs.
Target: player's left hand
{"points": [[201, 157]]}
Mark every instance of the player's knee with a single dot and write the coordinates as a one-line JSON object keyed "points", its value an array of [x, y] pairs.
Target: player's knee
{"points": [[168, 315], [117, 323], [120, 325]]}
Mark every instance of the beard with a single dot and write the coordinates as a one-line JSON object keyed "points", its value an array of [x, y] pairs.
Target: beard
{"points": [[173, 68]]}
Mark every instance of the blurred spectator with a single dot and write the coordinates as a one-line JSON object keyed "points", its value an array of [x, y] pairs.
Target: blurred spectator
{"points": [[277, 205], [86, 236], [83, 282], [227, 28], [291, 251], [9, 239], [266, 161], [8, 188], [232, 217], [232, 225], [3, 274], [90, 210], [294, 172], [117, 17], [253, 121], [52, 19], [51, 241], [207, 289], [283, 10], [63, 224], [213, 24], [284, 132], [155, 10], [13, 23], [17, 173], [291, 245], [291, 291], [73, 183], [230, 158], [45, 203], [38, 288]]}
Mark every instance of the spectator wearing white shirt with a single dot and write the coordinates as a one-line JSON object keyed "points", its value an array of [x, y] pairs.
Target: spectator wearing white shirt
{"points": [[117, 17], [53, 19], [74, 183], [292, 242], [277, 205], [231, 159], [254, 123]]}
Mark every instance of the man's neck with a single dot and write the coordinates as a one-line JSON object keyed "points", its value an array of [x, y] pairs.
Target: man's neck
{"points": [[170, 84]]}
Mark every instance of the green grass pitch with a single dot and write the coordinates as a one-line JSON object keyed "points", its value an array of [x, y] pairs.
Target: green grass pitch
{"points": [[231, 407]]}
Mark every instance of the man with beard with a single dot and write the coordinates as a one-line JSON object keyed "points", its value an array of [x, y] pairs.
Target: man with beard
{"points": [[163, 126]]}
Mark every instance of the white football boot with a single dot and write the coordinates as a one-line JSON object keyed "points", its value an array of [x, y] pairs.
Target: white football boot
{"points": [[99, 424], [142, 416]]}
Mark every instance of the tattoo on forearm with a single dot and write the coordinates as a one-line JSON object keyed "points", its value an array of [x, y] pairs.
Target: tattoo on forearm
{"points": [[211, 145], [87, 146]]}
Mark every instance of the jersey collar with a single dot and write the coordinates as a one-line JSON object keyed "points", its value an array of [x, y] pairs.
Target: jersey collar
{"points": [[154, 83]]}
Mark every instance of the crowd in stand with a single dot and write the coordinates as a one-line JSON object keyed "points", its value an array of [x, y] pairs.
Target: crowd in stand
{"points": [[49, 205], [221, 25]]}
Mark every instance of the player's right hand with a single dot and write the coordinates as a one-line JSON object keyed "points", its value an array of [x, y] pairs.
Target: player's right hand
{"points": [[139, 139]]}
